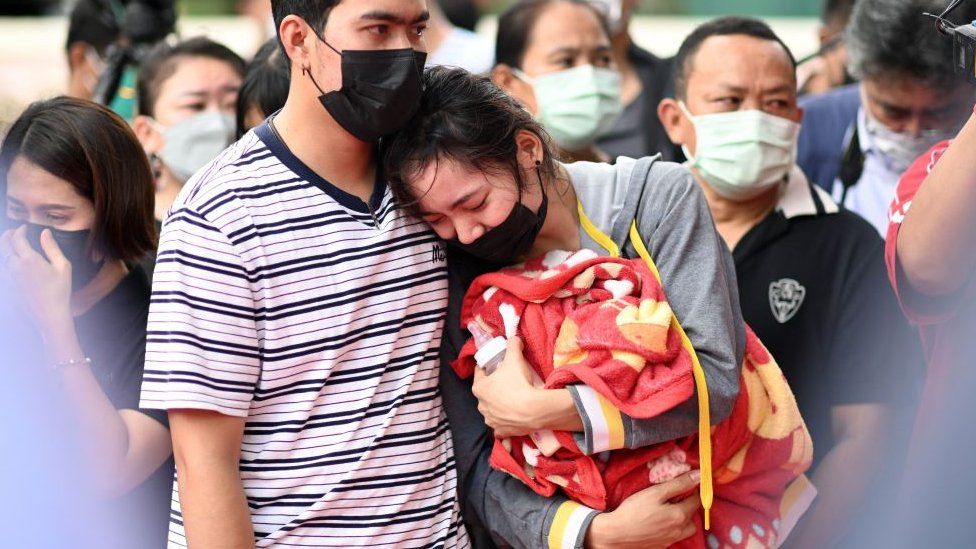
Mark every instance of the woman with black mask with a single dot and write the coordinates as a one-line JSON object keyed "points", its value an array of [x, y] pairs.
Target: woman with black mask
{"points": [[79, 193], [484, 174]]}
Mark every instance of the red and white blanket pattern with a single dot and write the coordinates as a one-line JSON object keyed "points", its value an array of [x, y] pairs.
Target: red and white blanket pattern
{"points": [[605, 322]]}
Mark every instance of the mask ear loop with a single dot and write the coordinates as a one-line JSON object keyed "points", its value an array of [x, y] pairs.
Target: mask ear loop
{"points": [[306, 71]]}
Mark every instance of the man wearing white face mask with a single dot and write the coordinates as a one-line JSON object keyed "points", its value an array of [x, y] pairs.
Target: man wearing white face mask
{"points": [[859, 139], [187, 97], [811, 275]]}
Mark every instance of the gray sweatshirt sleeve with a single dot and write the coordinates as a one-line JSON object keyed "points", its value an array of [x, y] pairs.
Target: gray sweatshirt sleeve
{"points": [[699, 279]]}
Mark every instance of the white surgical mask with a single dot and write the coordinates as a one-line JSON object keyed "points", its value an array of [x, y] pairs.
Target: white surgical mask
{"points": [[741, 154], [576, 105], [193, 142], [901, 149]]}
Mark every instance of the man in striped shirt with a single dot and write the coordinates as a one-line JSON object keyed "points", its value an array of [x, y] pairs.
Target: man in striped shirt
{"points": [[296, 312]]}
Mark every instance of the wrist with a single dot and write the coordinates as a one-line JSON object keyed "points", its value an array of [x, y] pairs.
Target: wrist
{"points": [[57, 326], [555, 409], [600, 532]]}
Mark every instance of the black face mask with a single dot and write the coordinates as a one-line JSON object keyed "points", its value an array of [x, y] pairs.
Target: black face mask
{"points": [[512, 238], [380, 91], [74, 246]]}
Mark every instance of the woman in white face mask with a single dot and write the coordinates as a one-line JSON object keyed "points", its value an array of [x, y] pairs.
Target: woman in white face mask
{"points": [[187, 103], [554, 56]]}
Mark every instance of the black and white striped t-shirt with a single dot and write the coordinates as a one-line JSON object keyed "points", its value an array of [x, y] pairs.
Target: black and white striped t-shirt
{"points": [[280, 298]]}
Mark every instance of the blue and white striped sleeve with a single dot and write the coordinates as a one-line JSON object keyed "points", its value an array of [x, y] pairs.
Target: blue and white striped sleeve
{"points": [[202, 347]]}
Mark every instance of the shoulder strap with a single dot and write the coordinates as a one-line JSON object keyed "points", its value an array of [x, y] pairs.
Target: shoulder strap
{"points": [[634, 198], [701, 386]]}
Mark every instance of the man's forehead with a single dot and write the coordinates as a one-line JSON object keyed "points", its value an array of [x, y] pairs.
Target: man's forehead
{"points": [[738, 61], [908, 93], [727, 50]]}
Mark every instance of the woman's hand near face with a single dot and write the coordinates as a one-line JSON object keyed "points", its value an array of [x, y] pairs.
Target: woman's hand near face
{"points": [[43, 285], [648, 519], [513, 406]]}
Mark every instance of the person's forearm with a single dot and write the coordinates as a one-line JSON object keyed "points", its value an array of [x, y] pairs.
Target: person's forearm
{"points": [[843, 480], [555, 410], [105, 438], [214, 508], [937, 239]]}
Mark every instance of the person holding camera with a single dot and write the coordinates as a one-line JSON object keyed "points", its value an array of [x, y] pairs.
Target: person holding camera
{"points": [[77, 186], [931, 258]]}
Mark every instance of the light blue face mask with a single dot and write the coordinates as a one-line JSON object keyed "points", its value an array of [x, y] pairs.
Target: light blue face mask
{"points": [[193, 142], [741, 154], [576, 105]]}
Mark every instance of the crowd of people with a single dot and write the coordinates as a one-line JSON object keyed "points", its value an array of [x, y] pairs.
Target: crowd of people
{"points": [[251, 287]]}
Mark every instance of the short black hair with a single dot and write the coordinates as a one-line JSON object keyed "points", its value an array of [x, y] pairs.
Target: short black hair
{"points": [[465, 118], [265, 83], [94, 23], [160, 64], [893, 38], [516, 23], [314, 12], [723, 26]]}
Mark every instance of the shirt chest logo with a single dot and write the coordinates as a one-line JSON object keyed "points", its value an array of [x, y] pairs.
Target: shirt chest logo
{"points": [[438, 254], [785, 297]]}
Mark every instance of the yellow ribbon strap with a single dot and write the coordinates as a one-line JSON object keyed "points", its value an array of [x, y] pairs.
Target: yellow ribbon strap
{"points": [[704, 416]]}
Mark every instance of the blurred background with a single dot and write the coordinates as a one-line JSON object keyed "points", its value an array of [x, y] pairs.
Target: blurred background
{"points": [[33, 63]]}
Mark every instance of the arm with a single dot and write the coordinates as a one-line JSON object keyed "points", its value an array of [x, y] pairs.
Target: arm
{"points": [[936, 245], [122, 447], [846, 475], [510, 513], [207, 448]]}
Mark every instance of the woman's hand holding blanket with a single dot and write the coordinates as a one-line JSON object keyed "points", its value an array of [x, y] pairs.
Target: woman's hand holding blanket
{"points": [[513, 406]]}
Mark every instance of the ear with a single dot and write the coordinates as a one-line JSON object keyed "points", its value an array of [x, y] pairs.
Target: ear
{"points": [[77, 55], [504, 77], [295, 34], [679, 129], [823, 34], [530, 150], [149, 137]]}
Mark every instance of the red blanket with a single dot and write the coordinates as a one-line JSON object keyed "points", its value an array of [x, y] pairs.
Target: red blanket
{"points": [[605, 322]]}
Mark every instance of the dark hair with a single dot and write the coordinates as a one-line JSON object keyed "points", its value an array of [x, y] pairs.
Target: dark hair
{"points": [[161, 63], [836, 12], [465, 118], [265, 83], [515, 27], [893, 38], [314, 12], [95, 151], [92, 22], [723, 26]]}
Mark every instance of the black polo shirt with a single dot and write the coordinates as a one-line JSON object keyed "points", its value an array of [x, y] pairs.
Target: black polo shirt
{"points": [[813, 286]]}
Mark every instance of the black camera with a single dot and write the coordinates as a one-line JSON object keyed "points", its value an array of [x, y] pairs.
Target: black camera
{"points": [[143, 23], [964, 50]]}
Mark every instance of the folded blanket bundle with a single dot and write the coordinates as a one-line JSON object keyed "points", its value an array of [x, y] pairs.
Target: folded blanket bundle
{"points": [[605, 322]]}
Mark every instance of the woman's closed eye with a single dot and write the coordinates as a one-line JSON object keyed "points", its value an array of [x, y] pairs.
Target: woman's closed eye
{"points": [[480, 205]]}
